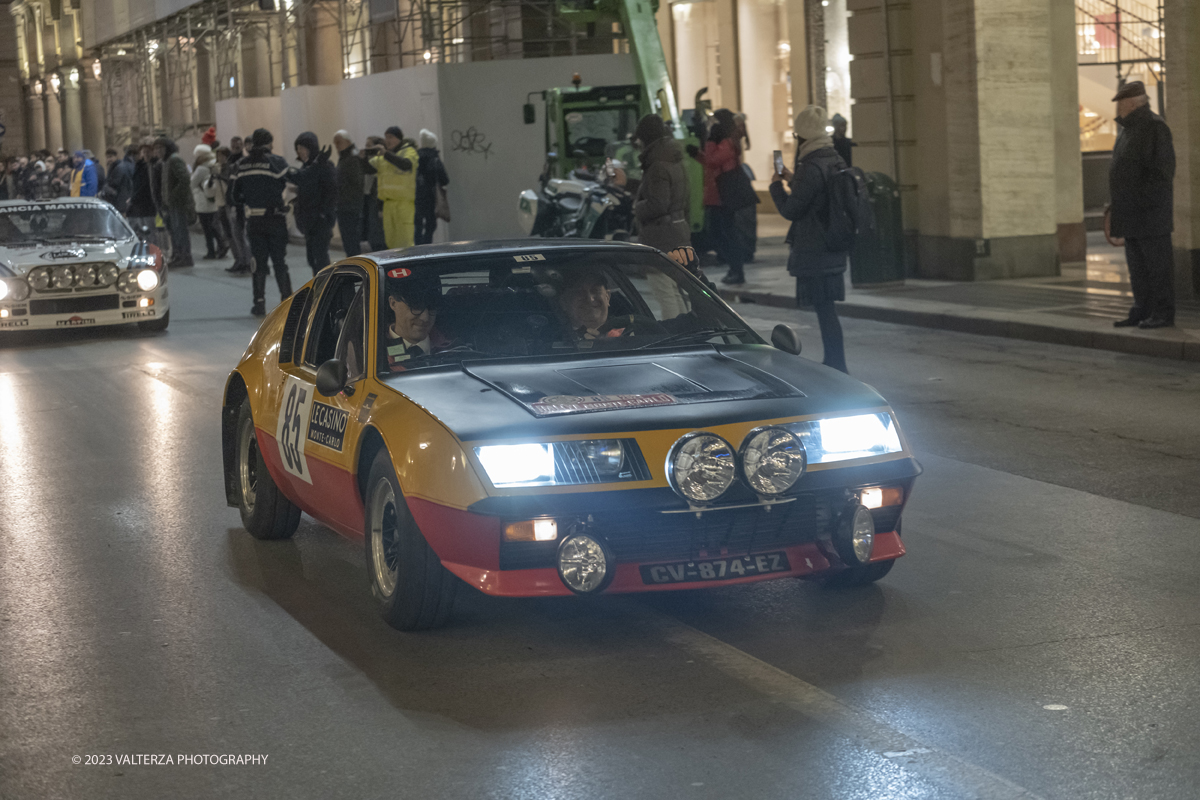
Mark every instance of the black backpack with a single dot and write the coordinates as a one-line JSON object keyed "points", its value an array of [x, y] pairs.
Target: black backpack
{"points": [[849, 208]]}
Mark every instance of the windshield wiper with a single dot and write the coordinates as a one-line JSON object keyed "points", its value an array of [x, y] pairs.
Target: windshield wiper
{"points": [[702, 334]]}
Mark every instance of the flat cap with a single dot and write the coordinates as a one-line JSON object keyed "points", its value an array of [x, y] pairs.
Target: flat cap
{"points": [[1131, 89]]}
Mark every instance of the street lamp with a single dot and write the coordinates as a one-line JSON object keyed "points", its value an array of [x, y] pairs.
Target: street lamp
{"points": [[96, 68], [74, 77]]}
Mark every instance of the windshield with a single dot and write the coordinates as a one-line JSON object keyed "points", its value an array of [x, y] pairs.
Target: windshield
{"points": [[65, 222], [555, 303], [593, 130]]}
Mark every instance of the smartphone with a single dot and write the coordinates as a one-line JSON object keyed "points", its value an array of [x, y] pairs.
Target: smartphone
{"points": [[778, 156]]}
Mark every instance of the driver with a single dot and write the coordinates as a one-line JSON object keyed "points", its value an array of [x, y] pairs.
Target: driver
{"points": [[584, 301], [414, 305]]}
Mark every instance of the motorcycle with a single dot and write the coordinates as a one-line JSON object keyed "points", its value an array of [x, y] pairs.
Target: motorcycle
{"points": [[580, 206]]}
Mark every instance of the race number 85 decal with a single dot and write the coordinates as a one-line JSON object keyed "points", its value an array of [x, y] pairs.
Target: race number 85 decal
{"points": [[291, 431]]}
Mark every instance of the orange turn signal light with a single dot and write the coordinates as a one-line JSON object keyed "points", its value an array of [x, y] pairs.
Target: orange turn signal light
{"points": [[531, 530], [881, 496]]}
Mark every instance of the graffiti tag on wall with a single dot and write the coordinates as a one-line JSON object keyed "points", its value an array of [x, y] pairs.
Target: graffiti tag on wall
{"points": [[471, 141]]}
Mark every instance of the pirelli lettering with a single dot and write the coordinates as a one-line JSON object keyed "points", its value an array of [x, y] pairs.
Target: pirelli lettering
{"points": [[327, 426]]}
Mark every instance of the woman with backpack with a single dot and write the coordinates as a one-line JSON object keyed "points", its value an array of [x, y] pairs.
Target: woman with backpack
{"points": [[818, 269]]}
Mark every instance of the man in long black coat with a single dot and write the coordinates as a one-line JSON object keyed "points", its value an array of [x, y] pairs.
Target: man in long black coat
{"points": [[1141, 183]]}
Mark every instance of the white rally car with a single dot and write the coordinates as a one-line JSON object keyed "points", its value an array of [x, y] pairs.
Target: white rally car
{"points": [[75, 262]]}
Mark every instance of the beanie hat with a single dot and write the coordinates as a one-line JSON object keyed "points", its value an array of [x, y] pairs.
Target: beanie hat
{"points": [[395, 131], [650, 129], [261, 138], [209, 136], [427, 138], [811, 123], [201, 150]]}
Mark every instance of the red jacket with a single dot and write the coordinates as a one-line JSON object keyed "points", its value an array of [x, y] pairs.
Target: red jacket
{"points": [[716, 158]]}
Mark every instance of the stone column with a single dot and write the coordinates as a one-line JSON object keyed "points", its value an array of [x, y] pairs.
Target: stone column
{"points": [[35, 120], [324, 44], [1183, 116], [1068, 161], [72, 111], [727, 38], [53, 116], [94, 137], [977, 174]]}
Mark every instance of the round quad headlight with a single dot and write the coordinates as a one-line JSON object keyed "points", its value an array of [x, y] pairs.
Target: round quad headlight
{"points": [[700, 467], [62, 277], [584, 563], [86, 275], [14, 290], [773, 459], [147, 280], [127, 282], [605, 455], [40, 278], [855, 536], [108, 275]]}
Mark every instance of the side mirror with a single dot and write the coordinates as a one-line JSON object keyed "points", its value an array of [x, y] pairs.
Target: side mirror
{"points": [[783, 336], [331, 377], [530, 114]]}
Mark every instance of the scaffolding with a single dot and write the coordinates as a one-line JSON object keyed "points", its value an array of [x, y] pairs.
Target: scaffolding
{"points": [[172, 72]]}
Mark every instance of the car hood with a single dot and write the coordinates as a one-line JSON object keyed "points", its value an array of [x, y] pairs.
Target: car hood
{"points": [[19, 260], [693, 387]]}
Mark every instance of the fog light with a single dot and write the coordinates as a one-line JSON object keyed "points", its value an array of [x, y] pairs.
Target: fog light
{"points": [[855, 535], [3, 313], [584, 563], [531, 530], [882, 496], [62, 278]]}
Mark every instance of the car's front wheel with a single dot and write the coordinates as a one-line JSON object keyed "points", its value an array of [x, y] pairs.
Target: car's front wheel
{"points": [[414, 591], [266, 513], [155, 325]]}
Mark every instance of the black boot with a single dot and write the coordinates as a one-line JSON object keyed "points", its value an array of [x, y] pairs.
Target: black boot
{"points": [[259, 282], [735, 277], [284, 281]]}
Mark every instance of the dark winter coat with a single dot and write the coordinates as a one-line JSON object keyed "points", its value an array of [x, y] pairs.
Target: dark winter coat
{"points": [[141, 199], [350, 177], [316, 192], [177, 184], [118, 189], [1141, 177], [807, 207], [663, 198], [431, 173], [258, 184]]}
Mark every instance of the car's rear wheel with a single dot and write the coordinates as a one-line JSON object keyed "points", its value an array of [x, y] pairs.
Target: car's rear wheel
{"points": [[859, 576], [414, 591], [155, 325], [266, 513]]}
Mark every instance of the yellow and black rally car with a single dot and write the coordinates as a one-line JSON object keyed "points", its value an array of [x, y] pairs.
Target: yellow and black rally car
{"points": [[549, 417]]}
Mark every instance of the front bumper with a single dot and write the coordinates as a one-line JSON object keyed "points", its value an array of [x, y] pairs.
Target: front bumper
{"points": [[643, 528], [83, 310]]}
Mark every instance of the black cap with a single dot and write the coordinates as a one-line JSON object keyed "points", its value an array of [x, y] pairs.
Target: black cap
{"points": [[395, 131], [1131, 89], [418, 292]]}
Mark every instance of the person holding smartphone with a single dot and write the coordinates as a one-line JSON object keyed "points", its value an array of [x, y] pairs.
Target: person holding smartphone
{"points": [[819, 271]]}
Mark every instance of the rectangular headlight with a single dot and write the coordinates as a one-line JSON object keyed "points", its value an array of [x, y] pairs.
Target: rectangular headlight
{"points": [[845, 438], [570, 463]]}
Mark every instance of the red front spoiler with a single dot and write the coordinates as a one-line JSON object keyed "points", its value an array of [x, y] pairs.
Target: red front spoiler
{"points": [[469, 546]]}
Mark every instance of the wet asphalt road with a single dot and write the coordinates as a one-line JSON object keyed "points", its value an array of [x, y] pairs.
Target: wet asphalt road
{"points": [[1041, 639]]}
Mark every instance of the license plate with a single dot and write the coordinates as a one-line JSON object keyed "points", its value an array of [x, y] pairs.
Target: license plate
{"points": [[715, 569]]}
